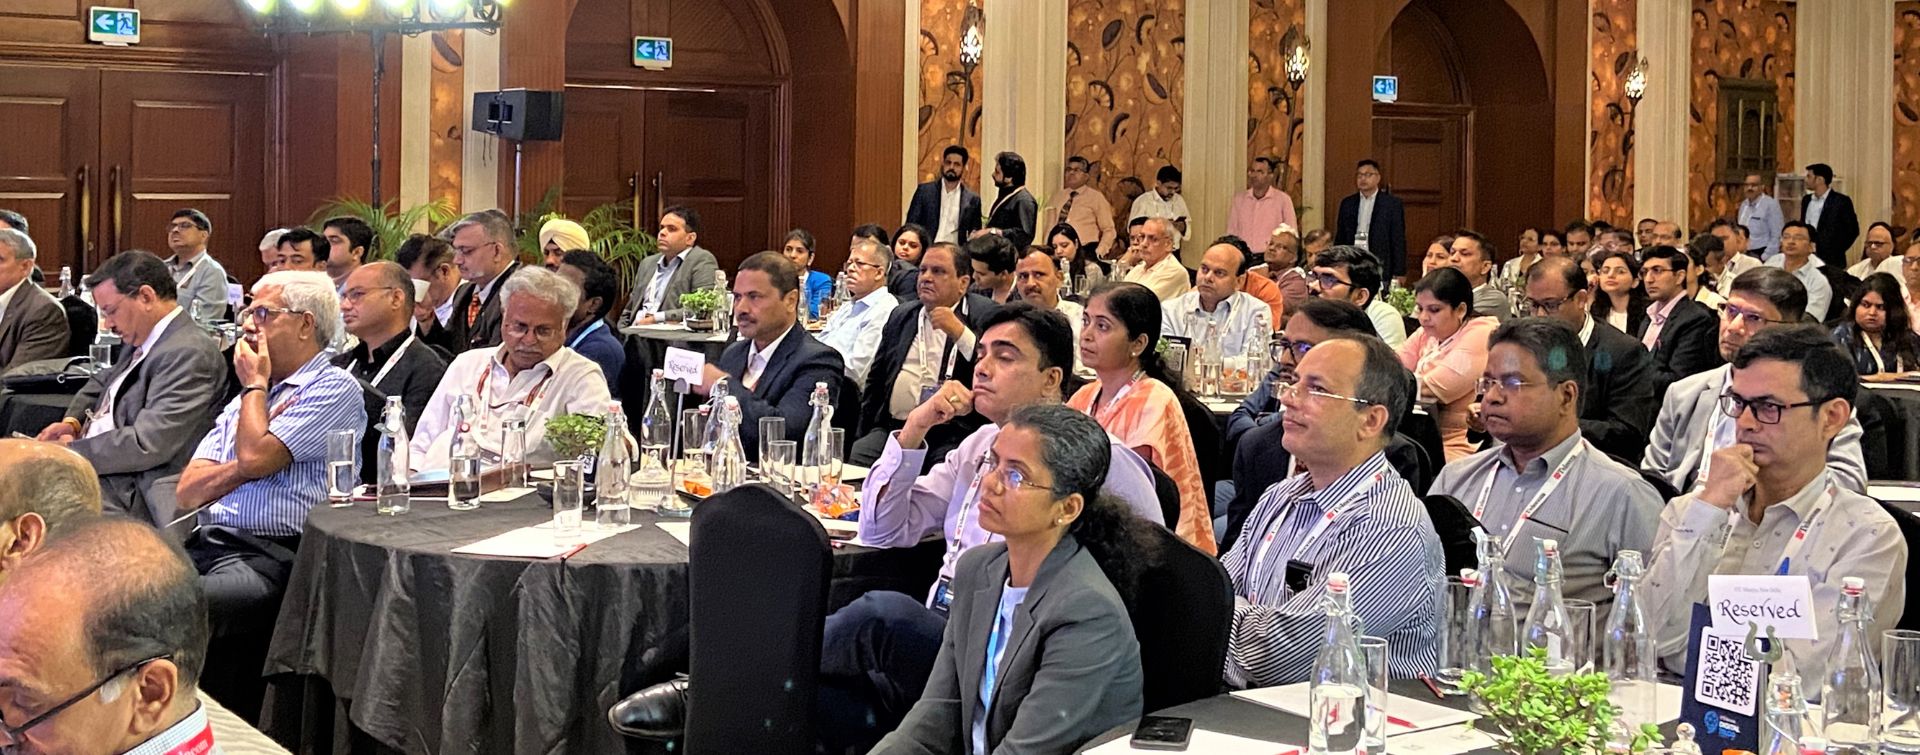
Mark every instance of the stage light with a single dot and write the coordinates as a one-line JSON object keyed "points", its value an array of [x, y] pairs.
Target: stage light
{"points": [[305, 7], [350, 8], [448, 10], [260, 6], [400, 8]]}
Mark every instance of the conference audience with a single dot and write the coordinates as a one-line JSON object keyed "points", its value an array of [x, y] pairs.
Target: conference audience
{"points": [[946, 206], [1076, 262], [1877, 256], [855, 330], [1014, 212], [993, 261], [483, 250], [682, 266], [1796, 256], [1760, 212], [1910, 279], [799, 249], [1579, 238], [1542, 479], [196, 274], [270, 248], [1038, 281], [1622, 302], [1829, 217], [429, 260], [1068, 668], [1691, 428], [1439, 254], [1878, 334], [1526, 252], [1552, 244], [1704, 253], [1617, 397], [1447, 353], [1164, 202], [1372, 219], [1473, 256], [1316, 320], [1774, 504], [532, 375], [1279, 274], [1134, 397], [116, 611], [1352, 274], [349, 241], [1677, 331], [377, 309], [1316, 241], [1339, 417], [137, 422], [1082, 208], [774, 366], [1261, 208], [558, 236], [927, 342], [908, 244], [1217, 308], [33, 325], [588, 333], [1665, 233], [301, 250], [1156, 265], [1738, 258], [45, 490]]}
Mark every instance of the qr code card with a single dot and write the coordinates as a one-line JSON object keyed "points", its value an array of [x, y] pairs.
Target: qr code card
{"points": [[1727, 678]]}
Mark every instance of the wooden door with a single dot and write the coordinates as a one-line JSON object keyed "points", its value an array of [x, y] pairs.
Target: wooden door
{"points": [[605, 153], [174, 140], [713, 151], [49, 160], [1424, 147]]}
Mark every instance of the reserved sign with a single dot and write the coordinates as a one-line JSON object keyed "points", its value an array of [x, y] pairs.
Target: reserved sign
{"points": [[1783, 604]]}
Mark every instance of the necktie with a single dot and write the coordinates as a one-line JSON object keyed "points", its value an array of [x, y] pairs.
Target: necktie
{"points": [[1068, 207], [756, 364], [106, 401], [473, 309]]}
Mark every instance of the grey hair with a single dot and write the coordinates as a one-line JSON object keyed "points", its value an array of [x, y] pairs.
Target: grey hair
{"points": [[1077, 451], [308, 291], [1384, 382], [879, 252], [20, 242], [495, 226], [545, 285], [1166, 227]]}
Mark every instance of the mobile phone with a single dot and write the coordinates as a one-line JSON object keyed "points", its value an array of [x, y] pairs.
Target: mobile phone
{"points": [[1162, 733]]}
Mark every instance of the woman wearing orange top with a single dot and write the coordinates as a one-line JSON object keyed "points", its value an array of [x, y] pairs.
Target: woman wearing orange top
{"points": [[1448, 353], [1134, 397]]}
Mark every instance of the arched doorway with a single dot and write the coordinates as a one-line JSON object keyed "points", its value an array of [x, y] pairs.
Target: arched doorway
{"points": [[1424, 135]]}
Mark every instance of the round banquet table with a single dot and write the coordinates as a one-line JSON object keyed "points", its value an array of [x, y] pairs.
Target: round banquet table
{"points": [[29, 413], [389, 641]]}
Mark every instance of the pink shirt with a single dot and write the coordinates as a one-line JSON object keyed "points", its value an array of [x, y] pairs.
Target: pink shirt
{"points": [[1657, 321], [1253, 220]]}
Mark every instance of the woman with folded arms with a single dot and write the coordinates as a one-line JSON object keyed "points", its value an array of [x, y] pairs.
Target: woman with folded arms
{"points": [[1039, 654]]}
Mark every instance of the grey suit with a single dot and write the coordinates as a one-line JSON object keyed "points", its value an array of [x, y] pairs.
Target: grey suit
{"points": [[1070, 669], [695, 271], [163, 408], [33, 327], [205, 282], [1679, 439]]}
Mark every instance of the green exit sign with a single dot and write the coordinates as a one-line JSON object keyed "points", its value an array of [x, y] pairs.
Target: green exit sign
{"points": [[113, 26]]}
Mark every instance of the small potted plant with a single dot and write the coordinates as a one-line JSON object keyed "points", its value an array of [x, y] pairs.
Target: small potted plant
{"points": [[703, 308], [574, 435], [1539, 713]]}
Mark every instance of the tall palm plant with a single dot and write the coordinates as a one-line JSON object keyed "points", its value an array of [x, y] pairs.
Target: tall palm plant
{"points": [[391, 225], [615, 239]]}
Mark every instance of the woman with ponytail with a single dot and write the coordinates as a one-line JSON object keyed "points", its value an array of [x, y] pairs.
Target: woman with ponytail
{"points": [[1039, 653], [1135, 396]]}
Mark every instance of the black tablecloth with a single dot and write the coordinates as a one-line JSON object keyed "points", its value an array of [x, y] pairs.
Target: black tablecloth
{"points": [[431, 651], [1903, 430], [29, 413]]}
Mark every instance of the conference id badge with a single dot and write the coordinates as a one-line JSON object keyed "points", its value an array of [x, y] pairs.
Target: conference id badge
{"points": [[927, 391], [942, 596]]}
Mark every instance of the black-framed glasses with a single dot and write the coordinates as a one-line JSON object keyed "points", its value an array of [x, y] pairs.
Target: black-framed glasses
{"points": [[1749, 317], [1283, 345], [1508, 384], [1541, 307], [12, 736], [1328, 280], [1767, 412]]}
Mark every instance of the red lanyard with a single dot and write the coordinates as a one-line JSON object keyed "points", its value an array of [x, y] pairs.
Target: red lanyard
{"points": [[532, 396]]}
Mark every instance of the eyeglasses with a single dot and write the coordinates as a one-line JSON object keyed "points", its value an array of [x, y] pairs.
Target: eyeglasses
{"points": [[1546, 306], [184, 225], [1284, 345], [1328, 280], [1879, 243], [13, 736], [855, 264], [1910, 261], [355, 295], [1293, 390], [1747, 317], [1010, 477], [521, 329], [1646, 270], [1508, 384], [260, 313], [1767, 412], [467, 250]]}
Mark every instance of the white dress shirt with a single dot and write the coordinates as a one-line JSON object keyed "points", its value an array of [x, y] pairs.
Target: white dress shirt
{"points": [[855, 331], [1814, 206], [1866, 267], [1244, 323], [444, 311], [757, 359], [102, 420], [923, 366], [1151, 205], [1168, 277], [949, 230], [566, 383], [1819, 291], [1364, 221], [1387, 322], [1736, 264]]}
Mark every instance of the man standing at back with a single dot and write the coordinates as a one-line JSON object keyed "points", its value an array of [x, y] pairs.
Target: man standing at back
{"points": [[1830, 214], [196, 274], [945, 205], [1083, 207], [1760, 215], [1374, 220], [1255, 213], [483, 250], [1164, 202], [681, 267]]}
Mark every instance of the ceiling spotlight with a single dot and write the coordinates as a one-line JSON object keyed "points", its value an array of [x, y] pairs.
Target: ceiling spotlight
{"points": [[307, 7], [350, 8], [401, 8], [260, 6], [448, 10]]}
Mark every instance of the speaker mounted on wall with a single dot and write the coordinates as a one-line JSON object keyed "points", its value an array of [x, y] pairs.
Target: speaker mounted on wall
{"points": [[521, 115]]}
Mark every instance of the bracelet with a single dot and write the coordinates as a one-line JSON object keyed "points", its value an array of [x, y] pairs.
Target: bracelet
{"points": [[74, 423], [252, 388]]}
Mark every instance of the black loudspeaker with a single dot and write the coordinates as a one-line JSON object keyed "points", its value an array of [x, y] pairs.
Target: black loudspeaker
{"points": [[522, 115]]}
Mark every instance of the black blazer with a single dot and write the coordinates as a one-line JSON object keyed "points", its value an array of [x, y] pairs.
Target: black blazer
{"points": [[485, 331], [894, 343], [903, 281], [1386, 233], [1689, 343], [1014, 215], [1617, 401], [414, 378], [925, 209], [785, 386], [1835, 230]]}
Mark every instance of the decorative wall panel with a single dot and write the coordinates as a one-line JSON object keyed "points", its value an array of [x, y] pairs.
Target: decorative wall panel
{"points": [[1906, 114], [1275, 126], [1610, 142], [1126, 75], [1734, 39], [950, 60]]}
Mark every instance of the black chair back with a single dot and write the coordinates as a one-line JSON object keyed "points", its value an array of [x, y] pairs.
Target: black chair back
{"points": [[1455, 525], [1882, 426], [1909, 531], [846, 408], [1412, 462], [376, 402], [1214, 465], [636, 379], [1168, 492], [82, 325], [758, 570], [1182, 613]]}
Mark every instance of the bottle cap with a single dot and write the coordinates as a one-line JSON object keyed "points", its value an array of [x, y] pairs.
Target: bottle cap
{"points": [[1549, 547], [1853, 586], [1337, 582]]}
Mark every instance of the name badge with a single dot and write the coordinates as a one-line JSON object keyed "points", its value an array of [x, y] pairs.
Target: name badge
{"points": [[1299, 573], [926, 392], [942, 596]]}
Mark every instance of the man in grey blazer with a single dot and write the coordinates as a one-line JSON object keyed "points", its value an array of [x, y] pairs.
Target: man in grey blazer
{"points": [[1691, 426], [140, 420], [196, 274], [32, 324], [687, 267]]}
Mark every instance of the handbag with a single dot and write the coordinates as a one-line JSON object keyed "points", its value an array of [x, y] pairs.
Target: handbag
{"points": [[57, 375]]}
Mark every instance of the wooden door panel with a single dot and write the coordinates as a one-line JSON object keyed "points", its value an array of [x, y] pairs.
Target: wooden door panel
{"points": [[187, 140], [51, 149], [1426, 154], [711, 151], [604, 148]]}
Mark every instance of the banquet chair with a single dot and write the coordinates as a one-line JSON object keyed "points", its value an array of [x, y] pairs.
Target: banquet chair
{"points": [[83, 323], [1910, 532], [1182, 612], [1455, 525], [757, 572], [1169, 495]]}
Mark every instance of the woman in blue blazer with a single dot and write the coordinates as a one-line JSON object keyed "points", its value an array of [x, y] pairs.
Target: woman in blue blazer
{"points": [[799, 248]]}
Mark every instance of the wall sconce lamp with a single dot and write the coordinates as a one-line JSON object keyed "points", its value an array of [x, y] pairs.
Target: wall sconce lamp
{"points": [[1298, 61], [1636, 83]]}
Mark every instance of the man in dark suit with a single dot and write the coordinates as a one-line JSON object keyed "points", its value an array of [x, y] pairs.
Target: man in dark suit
{"points": [[376, 308], [1374, 220], [1835, 226], [1682, 334], [1014, 210], [680, 267], [772, 369], [944, 206], [140, 420], [1617, 408], [926, 343], [33, 325], [436, 282], [903, 276], [483, 250]]}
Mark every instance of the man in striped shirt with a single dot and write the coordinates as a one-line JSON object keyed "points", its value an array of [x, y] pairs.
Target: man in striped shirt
{"points": [[1347, 511]]}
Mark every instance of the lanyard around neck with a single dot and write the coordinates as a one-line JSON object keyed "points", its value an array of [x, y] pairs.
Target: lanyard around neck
{"points": [[1534, 504]]}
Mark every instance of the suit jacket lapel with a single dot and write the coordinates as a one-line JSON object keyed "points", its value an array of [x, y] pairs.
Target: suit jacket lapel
{"points": [[1023, 622], [973, 655]]}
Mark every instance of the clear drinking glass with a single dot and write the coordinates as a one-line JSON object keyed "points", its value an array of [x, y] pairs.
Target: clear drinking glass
{"points": [[777, 464], [1900, 673], [1373, 736], [828, 474], [569, 493], [771, 429], [343, 449], [1581, 615], [1456, 650], [100, 353], [513, 451]]}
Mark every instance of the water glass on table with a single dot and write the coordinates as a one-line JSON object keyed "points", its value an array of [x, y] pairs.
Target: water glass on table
{"points": [[1900, 676], [776, 464], [343, 449], [513, 451], [1457, 652], [771, 429], [1581, 615], [569, 496], [1373, 735]]}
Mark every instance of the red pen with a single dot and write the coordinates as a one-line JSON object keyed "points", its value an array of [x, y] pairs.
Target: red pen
{"points": [[1431, 687], [1401, 722]]}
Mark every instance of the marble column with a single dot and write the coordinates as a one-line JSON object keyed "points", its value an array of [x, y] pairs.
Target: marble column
{"points": [[1660, 118], [480, 163], [1024, 85], [1313, 210], [1214, 116]]}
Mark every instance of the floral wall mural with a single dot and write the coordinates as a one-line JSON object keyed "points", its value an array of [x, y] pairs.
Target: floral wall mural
{"points": [[1610, 144], [1734, 39], [1126, 84], [1906, 114], [950, 76], [1275, 127]]}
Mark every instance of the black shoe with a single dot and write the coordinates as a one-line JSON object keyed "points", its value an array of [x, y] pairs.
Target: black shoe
{"points": [[657, 712]]}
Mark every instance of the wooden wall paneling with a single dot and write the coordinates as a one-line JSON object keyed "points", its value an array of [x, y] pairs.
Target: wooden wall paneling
{"points": [[1614, 49], [530, 60], [202, 34], [307, 129], [353, 120], [53, 125], [605, 152], [879, 64], [711, 151], [1126, 88], [1512, 135]]}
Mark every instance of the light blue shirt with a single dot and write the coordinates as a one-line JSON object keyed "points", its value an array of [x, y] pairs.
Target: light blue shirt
{"points": [[1010, 599], [1819, 291], [652, 304], [1763, 221], [1245, 323], [302, 411], [855, 331]]}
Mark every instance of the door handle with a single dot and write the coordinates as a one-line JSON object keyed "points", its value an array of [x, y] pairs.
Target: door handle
{"points": [[114, 210], [83, 242], [633, 184], [659, 194]]}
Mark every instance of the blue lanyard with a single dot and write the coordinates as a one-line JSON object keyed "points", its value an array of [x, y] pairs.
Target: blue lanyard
{"points": [[597, 324]]}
